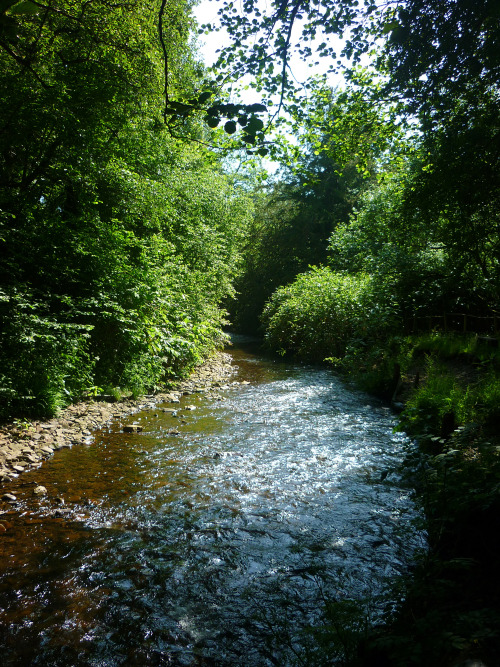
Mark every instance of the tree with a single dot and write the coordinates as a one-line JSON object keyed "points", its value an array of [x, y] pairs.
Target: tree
{"points": [[117, 241], [265, 38], [291, 227], [455, 193], [430, 52], [438, 51]]}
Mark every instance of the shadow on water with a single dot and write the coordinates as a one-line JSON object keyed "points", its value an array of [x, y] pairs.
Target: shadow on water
{"points": [[213, 537]]}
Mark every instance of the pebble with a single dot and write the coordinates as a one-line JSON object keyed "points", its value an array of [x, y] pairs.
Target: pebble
{"points": [[22, 449], [40, 491]]}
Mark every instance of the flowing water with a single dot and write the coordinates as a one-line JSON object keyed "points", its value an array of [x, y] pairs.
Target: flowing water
{"points": [[216, 545]]}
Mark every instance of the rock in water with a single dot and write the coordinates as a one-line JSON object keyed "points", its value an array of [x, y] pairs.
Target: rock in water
{"points": [[132, 428]]}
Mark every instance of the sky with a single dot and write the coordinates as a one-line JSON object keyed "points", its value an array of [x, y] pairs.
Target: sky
{"points": [[206, 12]]}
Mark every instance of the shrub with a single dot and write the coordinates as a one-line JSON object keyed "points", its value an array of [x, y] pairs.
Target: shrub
{"points": [[322, 312], [44, 363]]}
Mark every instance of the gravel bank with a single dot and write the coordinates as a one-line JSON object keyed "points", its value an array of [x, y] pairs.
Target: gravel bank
{"points": [[25, 445]]}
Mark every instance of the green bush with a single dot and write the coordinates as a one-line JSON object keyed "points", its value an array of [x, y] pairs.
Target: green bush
{"points": [[322, 312], [447, 396], [470, 347], [44, 363], [438, 396]]}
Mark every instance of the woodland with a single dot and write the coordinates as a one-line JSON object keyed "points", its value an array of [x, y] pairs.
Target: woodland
{"points": [[138, 224]]}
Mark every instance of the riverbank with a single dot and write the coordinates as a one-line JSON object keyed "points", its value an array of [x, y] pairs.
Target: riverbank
{"points": [[447, 392], [217, 540], [24, 445]]}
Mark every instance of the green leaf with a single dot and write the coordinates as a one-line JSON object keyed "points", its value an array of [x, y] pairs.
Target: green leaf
{"points": [[256, 108], [230, 127], [179, 108], [24, 8], [389, 27], [212, 121], [254, 125], [204, 97]]}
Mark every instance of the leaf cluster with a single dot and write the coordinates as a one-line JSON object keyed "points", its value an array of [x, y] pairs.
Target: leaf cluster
{"points": [[118, 242]]}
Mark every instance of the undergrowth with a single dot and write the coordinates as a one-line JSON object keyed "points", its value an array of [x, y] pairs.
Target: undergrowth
{"points": [[450, 386]]}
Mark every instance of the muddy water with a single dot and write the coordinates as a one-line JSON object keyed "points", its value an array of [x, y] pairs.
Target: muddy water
{"points": [[213, 537]]}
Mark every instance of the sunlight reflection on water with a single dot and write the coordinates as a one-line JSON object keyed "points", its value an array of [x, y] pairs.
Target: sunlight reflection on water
{"points": [[216, 546]]}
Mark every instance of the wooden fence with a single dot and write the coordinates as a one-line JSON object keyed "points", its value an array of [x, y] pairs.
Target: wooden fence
{"points": [[457, 322]]}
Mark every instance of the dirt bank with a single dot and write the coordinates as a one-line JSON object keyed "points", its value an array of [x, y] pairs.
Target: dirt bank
{"points": [[25, 445]]}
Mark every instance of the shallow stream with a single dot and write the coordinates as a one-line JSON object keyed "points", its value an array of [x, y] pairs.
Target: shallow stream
{"points": [[213, 537]]}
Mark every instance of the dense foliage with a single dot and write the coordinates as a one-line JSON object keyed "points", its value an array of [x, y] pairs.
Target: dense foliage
{"points": [[118, 242], [292, 223], [322, 312]]}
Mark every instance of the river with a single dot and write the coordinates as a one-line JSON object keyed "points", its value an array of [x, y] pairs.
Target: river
{"points": [[216, 536]]}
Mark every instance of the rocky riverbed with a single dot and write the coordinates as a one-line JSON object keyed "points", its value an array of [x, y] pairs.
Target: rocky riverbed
{"points": [[25, 445]]}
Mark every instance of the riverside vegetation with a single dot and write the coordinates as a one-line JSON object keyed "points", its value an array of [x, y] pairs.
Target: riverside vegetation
{"points": [[128, 242], [119, 240]]}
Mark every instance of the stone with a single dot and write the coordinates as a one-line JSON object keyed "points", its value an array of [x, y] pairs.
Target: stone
{"points": [[9, 497], [75, 423], [40, 491], [31, 458], [132, 428]]}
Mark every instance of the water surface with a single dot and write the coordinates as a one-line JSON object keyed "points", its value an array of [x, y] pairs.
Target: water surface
{"points": [[214, 536]]}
